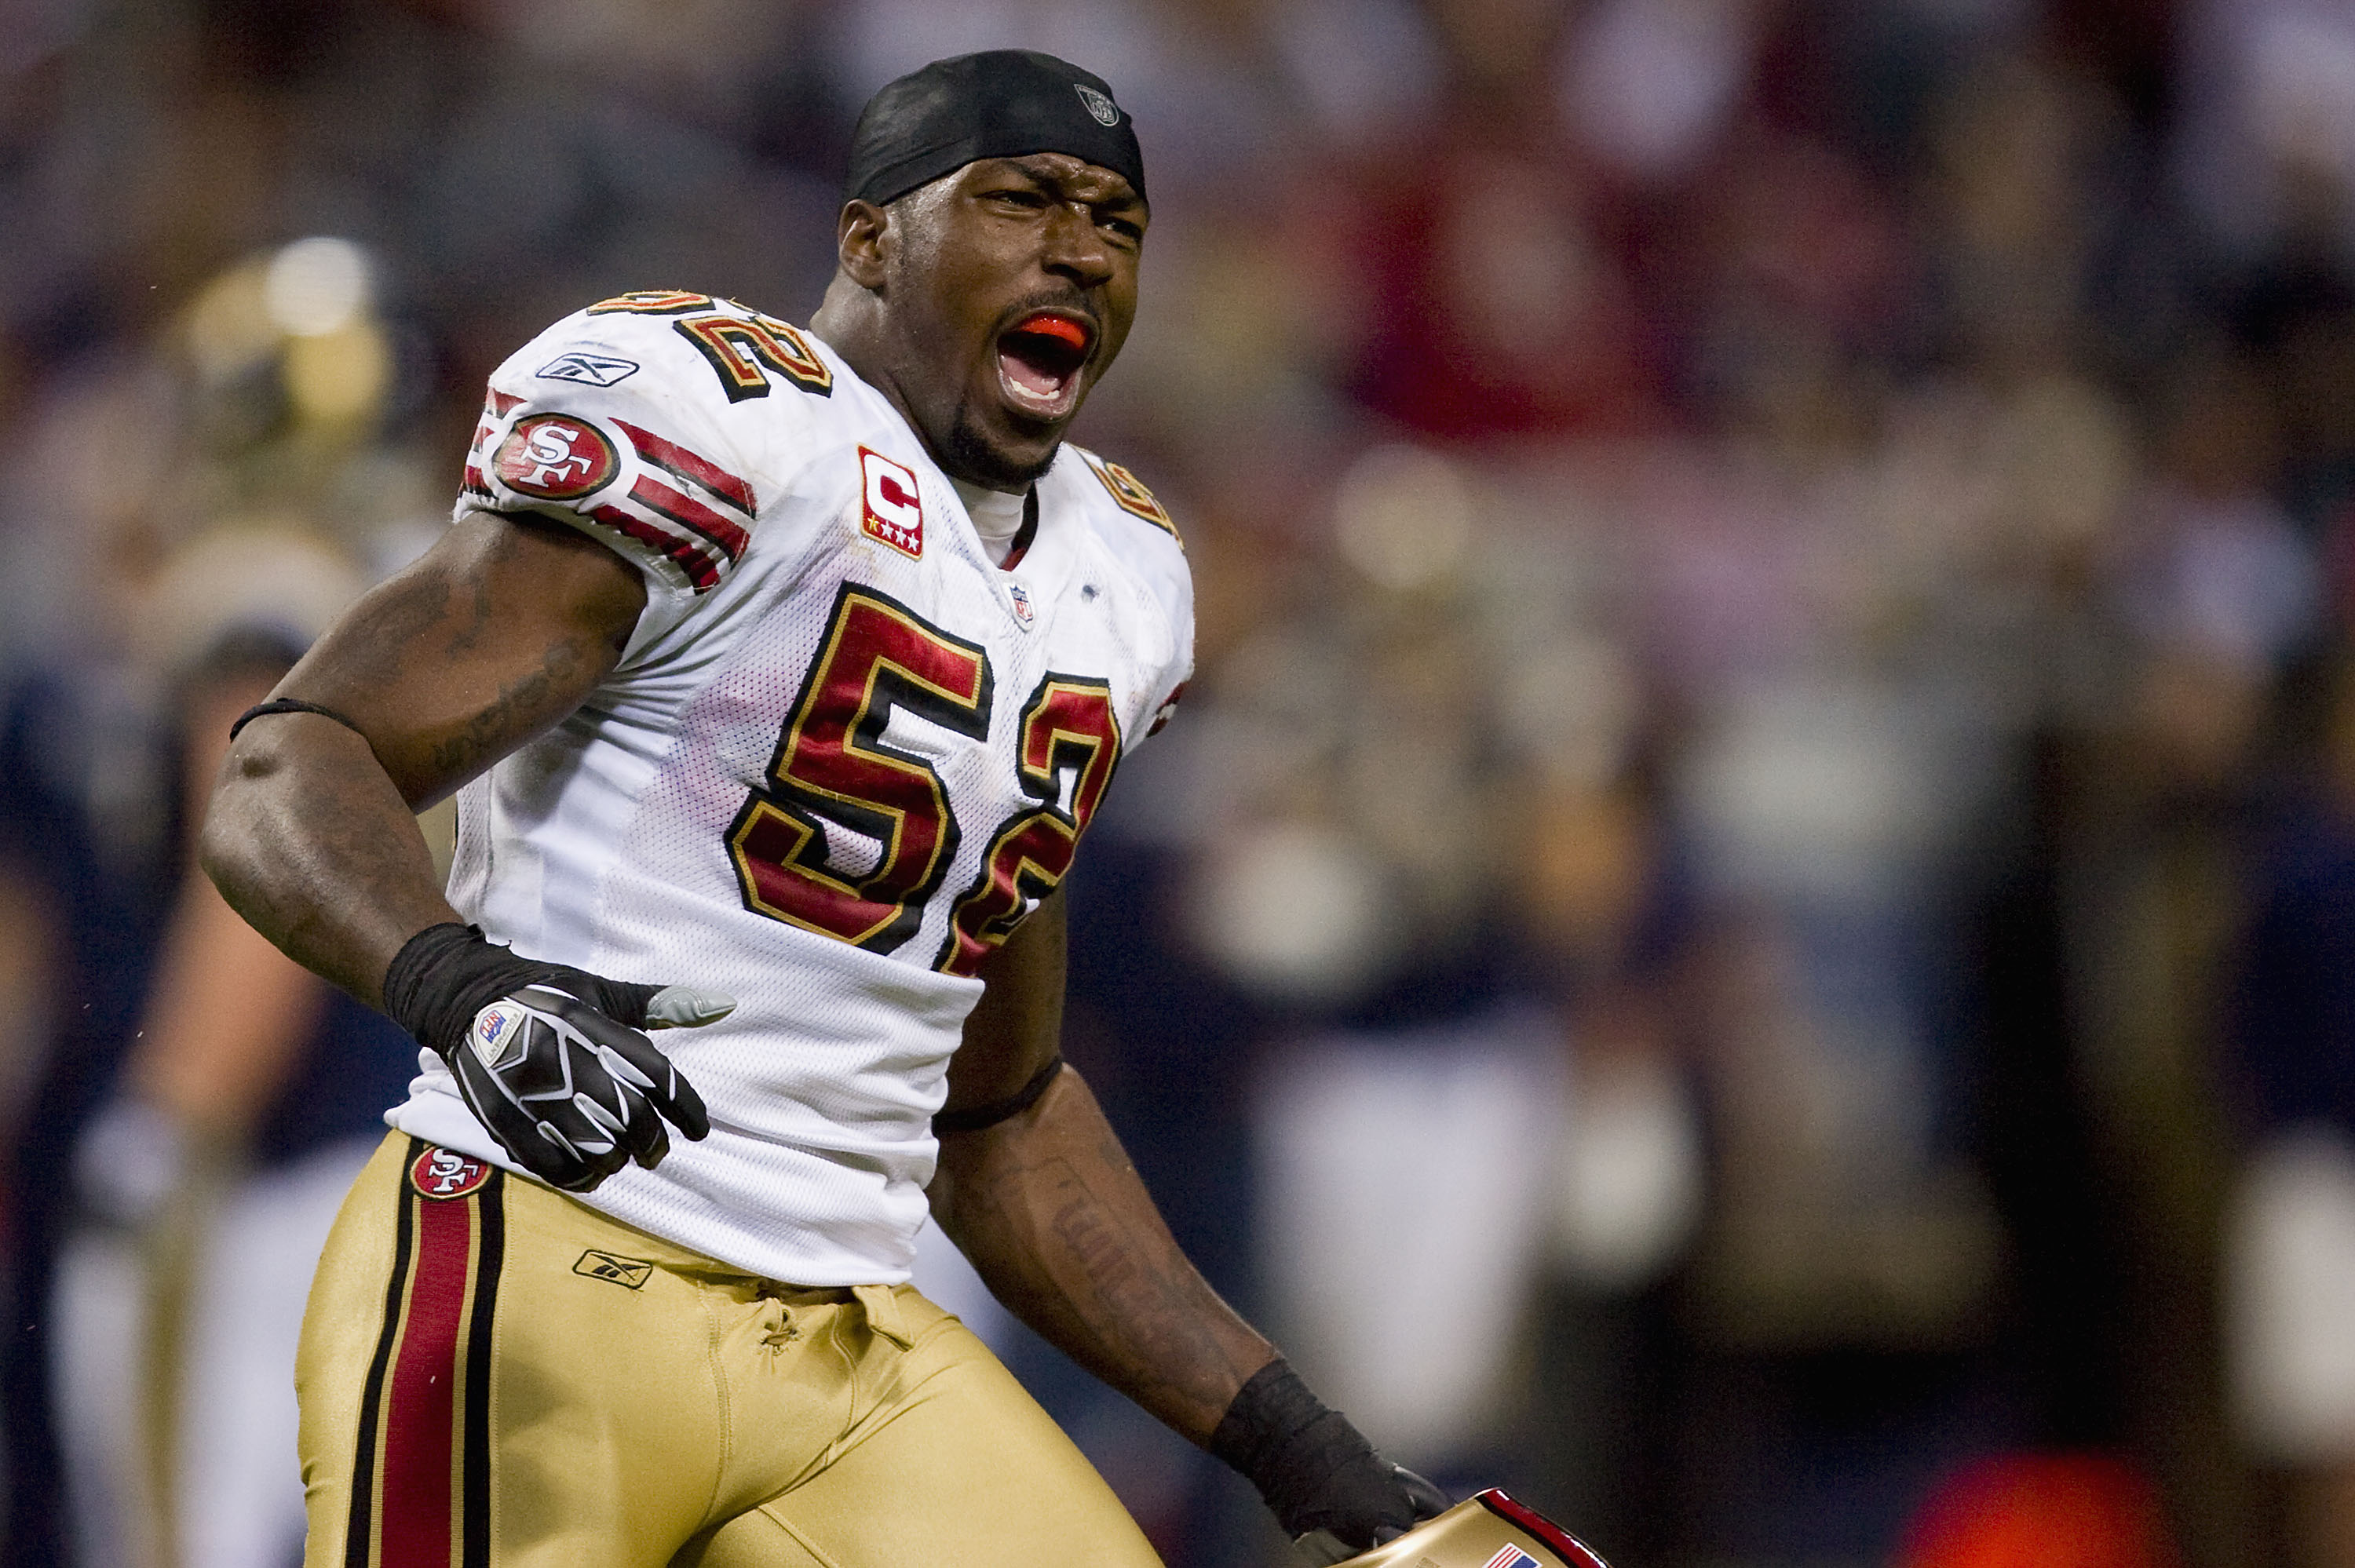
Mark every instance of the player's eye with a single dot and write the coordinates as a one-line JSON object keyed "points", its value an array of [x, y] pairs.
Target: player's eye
{"points": [[1132, 232], [1019, 198]]}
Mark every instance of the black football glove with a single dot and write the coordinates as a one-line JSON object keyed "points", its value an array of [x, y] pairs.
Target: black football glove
{"points": [[1329, 1490], [550, 1058]]}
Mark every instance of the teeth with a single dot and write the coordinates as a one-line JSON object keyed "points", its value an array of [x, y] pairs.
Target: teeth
{"points": [[1046, 402]]}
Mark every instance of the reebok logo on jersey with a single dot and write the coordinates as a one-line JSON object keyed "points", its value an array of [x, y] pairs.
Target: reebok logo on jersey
{"points": [[446, 1173], [595, 370], [893, 510], [556, 458], [629, 1273]]}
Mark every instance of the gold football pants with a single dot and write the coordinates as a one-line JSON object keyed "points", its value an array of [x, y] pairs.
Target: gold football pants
{"points": [[494, 1376]]}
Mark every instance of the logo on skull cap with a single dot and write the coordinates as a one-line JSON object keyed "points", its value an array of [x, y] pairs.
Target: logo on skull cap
{"points": [[1101, 109]]}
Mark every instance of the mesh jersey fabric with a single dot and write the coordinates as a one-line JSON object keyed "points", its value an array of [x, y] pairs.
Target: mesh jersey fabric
{"points": [[612, 842]]}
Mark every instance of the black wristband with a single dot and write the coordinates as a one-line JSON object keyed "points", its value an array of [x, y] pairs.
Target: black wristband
{"points": [[447, 973], [978, 1117], [293, 705], [1315, 1470]]}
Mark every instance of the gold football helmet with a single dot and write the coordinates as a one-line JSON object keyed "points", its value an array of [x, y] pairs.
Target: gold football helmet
{"points": [[1488, 1529]]}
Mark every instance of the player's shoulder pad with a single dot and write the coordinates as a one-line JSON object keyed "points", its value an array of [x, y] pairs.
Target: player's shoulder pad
{"points": [[1132, 523], [1136, 531], [698, 347], [1117, 493], [624, 420]]}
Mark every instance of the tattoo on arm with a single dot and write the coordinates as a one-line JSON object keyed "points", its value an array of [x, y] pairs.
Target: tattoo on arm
{"points": [[498, 632], [340, 896], [1057, 1222], [522, 704], [1153, 1294], [493, 635], [385, 628]]}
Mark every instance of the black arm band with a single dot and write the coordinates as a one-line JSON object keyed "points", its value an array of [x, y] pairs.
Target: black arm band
{"points": [[1013, 1105], [1286, 1441], [291, 705]]}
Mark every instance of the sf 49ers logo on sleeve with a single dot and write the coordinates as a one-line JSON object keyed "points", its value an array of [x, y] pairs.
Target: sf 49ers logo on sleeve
{"points": [[556, 458], [446, 1173], [893, 510]]}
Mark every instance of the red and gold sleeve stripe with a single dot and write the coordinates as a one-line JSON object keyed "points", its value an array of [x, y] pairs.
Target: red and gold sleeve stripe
{"points": [[421, 1476], [683, 507], [496, 406]]}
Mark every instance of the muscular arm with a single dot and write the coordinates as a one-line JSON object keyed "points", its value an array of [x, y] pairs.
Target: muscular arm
{"points": [[1052, 1215], [495, 635], [228, 1012]]}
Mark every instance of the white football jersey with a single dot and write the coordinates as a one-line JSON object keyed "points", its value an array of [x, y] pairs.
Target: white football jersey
{"points": [[842, 756]]}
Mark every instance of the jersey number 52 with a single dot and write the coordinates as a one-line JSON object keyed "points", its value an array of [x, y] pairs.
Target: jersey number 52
{"points": [[833, 768]]}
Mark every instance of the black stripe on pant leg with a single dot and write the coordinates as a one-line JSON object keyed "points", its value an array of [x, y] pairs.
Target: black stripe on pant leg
{"points": [[358, 1534], [490, 1251]]}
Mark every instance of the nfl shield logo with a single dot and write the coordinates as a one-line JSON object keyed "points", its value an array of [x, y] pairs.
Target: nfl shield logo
{"points": [[1021, 597], [1101, 110]]}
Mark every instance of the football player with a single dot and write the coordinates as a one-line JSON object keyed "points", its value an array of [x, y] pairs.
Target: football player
{"points": [[789, 664]]}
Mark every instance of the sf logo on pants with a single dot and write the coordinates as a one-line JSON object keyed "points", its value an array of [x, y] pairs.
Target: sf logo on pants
{"points": [[445, 1173]]}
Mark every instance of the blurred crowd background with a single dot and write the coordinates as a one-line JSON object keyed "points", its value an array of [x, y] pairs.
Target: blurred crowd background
{"points": [[1749, 926]]}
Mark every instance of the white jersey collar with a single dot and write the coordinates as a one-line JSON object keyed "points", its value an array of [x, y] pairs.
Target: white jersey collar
{"points": [[996, 517]]}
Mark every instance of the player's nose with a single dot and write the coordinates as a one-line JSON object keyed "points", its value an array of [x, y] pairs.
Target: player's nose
{"points": [[1074, 247]]}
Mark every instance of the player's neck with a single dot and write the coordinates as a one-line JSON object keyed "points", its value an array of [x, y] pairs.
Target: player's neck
{"points": [[852, 323]]}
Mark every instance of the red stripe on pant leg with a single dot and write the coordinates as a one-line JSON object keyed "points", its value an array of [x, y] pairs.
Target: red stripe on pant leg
{"points": [[418, 1474]]}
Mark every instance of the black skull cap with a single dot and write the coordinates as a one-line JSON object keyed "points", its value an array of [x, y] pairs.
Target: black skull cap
{"points": [[1001, 103]]}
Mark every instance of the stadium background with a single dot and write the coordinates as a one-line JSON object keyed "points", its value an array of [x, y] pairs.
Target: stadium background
{"points": [[1747, 928]]}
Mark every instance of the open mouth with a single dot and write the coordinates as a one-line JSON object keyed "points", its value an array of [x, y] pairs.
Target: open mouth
{"points": [[1039, 362]]}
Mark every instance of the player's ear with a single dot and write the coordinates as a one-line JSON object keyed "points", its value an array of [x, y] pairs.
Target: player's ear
{"points": [[860, 237]]}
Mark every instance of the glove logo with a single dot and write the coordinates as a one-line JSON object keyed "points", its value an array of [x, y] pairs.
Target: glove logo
{"points": [[492, 1027], [445, 1173]]}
